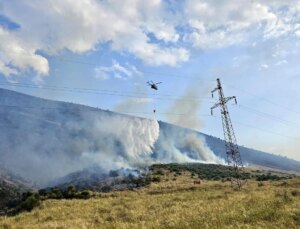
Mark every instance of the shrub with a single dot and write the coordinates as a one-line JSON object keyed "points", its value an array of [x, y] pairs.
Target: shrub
{"points": [[141, 181], [159, 172], [55, 193], [260, 184], [216, 178], [178, 173], [295, 193], [106, 188], [70, 193], [269, 176], [42, 192], [296, 216], [85, 194], [156, 179], [29, 201]]}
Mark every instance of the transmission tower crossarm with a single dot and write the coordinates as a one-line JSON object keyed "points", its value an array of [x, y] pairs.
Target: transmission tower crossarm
{"points": [[230, 98], [214, 106], [212, 92]]}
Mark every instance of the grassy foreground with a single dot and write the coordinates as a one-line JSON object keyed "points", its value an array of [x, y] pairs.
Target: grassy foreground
{"points": [[174, 202]]}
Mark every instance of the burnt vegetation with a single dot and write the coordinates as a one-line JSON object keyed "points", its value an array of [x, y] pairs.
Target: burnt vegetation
{"points": [[69, 193], [216, 172]]}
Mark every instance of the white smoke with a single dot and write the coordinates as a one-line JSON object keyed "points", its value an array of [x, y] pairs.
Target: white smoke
{"points": [[128, 142], [195, 143], [45, 144], [183, 146], [180, 145], [189, 104]]}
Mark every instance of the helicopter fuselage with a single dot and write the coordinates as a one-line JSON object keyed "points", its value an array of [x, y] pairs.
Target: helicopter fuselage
{"points": [[153, 86]]}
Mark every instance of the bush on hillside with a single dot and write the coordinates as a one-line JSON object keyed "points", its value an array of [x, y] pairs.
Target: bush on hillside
{"points": [[106, 188], [69, 193], [156, 179], [266, 177], [29, 201], [85, 194], [55, 193]]}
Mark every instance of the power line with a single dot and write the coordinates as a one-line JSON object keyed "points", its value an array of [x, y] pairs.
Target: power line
{"points": [[138, 95], [134, 95], [141, 112], [97, 109], [267, 131], [266, 115], [106, 92], [141, 95], [114, 93], [163, 113], [264, 99], [260, 129], [155, 73]]}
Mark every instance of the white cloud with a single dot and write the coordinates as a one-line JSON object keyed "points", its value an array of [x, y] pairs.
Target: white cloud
{"points": [[281, 62], [7, 71], [116, 70], [218, 24], [264, 66], [52, 26], [17, 56]]}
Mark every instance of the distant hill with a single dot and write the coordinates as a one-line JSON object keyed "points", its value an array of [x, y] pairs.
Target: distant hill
{"points": [[11, 188], [44, 140], [249, 156]]}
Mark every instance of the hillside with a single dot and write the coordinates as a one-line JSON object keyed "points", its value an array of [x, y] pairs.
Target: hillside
{"points": [[11, 188], [95, 179], [249, 156], [174, 201], [45, 140]]}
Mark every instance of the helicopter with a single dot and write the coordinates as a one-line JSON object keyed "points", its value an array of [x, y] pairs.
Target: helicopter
{"points": [[153, 85]]}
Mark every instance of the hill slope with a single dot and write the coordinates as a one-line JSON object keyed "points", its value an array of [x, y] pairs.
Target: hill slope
{"points": [[173, 202], [11, 188], [44, 140]]}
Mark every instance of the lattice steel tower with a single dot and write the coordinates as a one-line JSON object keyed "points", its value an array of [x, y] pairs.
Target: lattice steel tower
{"points": [[232, 150]]}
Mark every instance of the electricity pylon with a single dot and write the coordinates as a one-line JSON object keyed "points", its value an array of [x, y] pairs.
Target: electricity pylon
{"points": [[232, 150]]}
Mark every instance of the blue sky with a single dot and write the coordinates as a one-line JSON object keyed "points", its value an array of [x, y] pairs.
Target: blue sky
{"points": [[67, 47]]}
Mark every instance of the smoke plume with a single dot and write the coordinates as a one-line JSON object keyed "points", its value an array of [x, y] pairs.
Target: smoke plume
{"points": [[176, 144], [56, 138], [189, 105]]}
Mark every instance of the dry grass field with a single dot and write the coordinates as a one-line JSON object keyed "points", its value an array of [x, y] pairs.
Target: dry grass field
{"points": [[174, 202]]}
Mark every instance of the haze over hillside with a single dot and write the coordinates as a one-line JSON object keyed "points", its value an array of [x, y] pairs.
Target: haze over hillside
{"points": [[43, 140]]}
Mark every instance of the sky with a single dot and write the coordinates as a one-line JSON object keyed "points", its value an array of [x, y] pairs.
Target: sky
{"points": [[101, 53]]}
